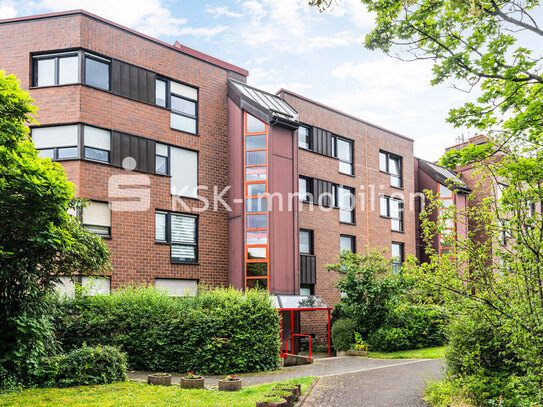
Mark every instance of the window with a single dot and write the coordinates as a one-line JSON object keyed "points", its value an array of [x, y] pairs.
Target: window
{"points": [[180, 232], [391, 164], [345, 156], [162, 159], [305, 190], [97, 71], [56, 69], [306, 241], [307, 289], [184, 172], [304, 137], [97, 218], [392, 208], [397, 256], [178, 287], [345, 203], [161, 87], [347, 242], [97, 143], [56, 142], [500, 188], [62, 142], [96, 286], [183, 104]]}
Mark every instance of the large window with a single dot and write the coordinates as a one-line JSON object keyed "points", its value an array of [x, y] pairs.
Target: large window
{"points": [[62, 142], [393, 208], [65, 68], [347, 242], [304, 140], [345, 203], [391, 164], [182, 165], [97, 71], [182, 100], [398, 256], [180, 231], [344, 151], [306, 241], [96, 217]]}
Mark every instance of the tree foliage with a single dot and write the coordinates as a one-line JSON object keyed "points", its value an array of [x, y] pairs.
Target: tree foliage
{"points": [[39, 240]]}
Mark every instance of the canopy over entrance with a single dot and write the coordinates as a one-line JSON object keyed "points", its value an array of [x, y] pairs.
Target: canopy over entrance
{"points": [[295, 303]]}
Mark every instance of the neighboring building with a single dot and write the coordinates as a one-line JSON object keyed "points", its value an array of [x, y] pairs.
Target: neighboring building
{"points": [[451, 189]]}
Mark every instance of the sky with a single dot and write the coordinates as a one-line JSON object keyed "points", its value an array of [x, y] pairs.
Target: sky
{"points": [[287, 44]]}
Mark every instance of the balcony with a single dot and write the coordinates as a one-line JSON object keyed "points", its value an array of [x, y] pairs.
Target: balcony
{"points": [[308, 269]]}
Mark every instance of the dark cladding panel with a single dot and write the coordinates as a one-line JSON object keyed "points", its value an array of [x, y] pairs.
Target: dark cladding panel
{"points": [[151, 152], [142, 85], [322, 192], [116, 149], [322, 141], [141, 149], [308, 269], [125, 80], [133, 92], [116, 76], [151, 83]]}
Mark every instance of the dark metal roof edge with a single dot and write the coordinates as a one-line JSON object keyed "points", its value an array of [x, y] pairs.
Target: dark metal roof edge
{"points": [[247, 104], [425, 166]]}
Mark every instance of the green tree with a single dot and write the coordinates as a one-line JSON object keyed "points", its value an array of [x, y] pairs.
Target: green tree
{"points": [[39, 240]]}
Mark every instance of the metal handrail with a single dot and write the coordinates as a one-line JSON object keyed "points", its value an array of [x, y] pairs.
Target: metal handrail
{"points": [[292, 337]]}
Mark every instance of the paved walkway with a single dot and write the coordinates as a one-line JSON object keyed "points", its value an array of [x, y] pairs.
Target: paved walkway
{"points": [[344, 375], [395, 385]]}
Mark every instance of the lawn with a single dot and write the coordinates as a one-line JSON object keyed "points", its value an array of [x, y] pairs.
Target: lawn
{"points": [[139, 394], [426, 353]]}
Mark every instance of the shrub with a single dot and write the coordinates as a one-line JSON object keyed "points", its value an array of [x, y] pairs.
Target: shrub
{"points": [[217, 332], [85, 366], [342, 334], [411, 327]]}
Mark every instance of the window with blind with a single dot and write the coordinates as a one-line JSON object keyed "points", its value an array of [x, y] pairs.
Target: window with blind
{"points": [[344, 150], [96, 217], [180, 231], [391, 164], [306, 241], [347, 242], [397, 256], [345, 203]]}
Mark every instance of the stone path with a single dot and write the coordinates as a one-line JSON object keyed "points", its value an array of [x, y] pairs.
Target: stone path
{"points": [[384, 386], [352, 376]]}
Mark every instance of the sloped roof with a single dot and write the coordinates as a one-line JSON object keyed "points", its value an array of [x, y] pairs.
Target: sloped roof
{"points": [[266, 106], [444, 176]]}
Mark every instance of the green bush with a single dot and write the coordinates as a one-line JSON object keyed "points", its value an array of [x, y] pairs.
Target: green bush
{"points": [[342, 334], [411, 327], [85, 366], [217, 332]]}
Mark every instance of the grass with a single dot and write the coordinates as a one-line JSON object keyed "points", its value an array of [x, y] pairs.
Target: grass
{"points": [[426, 353], [140, 394]]}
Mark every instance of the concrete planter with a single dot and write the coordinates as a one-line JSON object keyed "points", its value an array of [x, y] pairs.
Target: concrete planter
{"points": [[192, 383], [356, 353], [288, 398], [230, 385], [271, 403], [160, 379]]}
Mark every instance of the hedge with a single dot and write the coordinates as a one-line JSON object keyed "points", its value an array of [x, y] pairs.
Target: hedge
{"points": [[217, 332]]}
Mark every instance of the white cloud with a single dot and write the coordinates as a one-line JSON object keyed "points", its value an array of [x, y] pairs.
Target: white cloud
{"points": [[222, 11], [151, 17], [355, 10], [7, 12]]}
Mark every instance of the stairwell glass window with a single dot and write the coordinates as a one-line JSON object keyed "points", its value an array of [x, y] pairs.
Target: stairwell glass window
{"points": [[397, 256], [184, 107], [97, 218], [56, 142], [180, 231], [97, 143], [306, 241], [345, 156], [392, 208], [56, 69], [391, 164]]}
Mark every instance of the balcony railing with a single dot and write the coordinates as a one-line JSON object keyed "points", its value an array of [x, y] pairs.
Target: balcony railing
{"points": [[308, 269]]}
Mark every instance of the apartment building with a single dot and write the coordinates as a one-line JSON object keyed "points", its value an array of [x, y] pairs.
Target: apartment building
{"points": [[195, 177]]}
